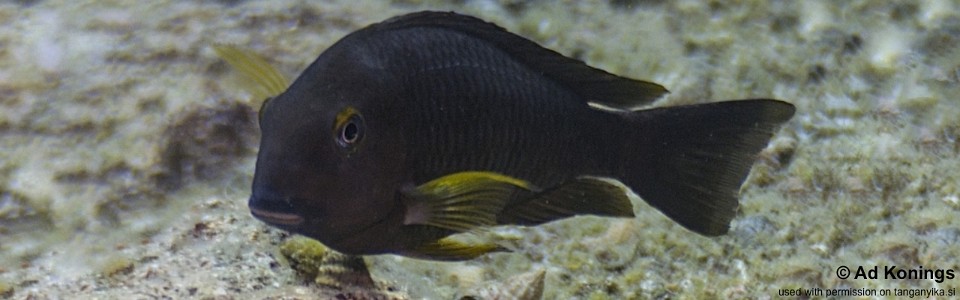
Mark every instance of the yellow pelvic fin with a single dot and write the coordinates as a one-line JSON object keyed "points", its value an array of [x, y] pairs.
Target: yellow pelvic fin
{"points": [[448, 249], [266, 80], [461, 201]]}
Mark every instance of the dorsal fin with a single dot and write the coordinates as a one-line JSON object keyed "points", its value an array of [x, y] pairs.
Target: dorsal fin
{"points": [[592, 84]]}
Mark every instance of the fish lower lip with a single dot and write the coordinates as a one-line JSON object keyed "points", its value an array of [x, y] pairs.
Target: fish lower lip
{"points": [[277, 218]]}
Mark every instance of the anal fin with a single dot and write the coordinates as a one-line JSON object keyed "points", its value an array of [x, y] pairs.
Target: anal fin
{"points": [[581, 196]]}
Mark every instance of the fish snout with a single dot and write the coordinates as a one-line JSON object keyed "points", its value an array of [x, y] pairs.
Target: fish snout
{"points": [[275, 211]]}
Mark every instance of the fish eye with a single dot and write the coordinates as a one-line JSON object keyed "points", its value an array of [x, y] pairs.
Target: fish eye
{"points": [[350, 133], [349, 127]]}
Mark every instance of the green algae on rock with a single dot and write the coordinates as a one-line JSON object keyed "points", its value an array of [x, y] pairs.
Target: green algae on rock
{"points": [[316, 263], [348, 274]]}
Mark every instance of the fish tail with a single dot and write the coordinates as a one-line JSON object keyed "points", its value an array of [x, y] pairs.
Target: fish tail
{"points": [[690, 161]]}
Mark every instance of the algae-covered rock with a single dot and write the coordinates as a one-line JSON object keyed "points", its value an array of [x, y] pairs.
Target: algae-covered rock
{"points": [[315, 262]]}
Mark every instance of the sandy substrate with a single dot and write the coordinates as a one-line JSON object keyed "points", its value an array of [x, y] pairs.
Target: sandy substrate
{"points": [[128, 149]]}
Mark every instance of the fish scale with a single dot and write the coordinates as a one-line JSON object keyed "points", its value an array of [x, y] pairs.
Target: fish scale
{"points": [[472, 150]]}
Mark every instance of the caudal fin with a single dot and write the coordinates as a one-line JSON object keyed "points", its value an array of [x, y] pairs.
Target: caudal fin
{"points": [[689, 161]]}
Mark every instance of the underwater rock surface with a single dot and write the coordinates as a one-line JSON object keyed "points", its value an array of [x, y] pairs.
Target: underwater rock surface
{"points": [[128, 148]]}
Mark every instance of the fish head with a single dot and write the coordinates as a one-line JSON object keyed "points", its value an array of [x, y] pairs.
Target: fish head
{"points": [[331, 152]]}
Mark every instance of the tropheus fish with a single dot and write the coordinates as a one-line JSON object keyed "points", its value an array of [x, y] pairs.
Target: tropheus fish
{"points": [[408, 131]]}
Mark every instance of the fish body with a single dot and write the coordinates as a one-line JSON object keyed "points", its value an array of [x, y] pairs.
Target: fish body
{"points": [[429, 124]]}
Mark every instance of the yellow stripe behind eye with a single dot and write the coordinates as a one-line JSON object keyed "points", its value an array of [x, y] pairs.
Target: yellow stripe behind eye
{"points": [[343, 116]]}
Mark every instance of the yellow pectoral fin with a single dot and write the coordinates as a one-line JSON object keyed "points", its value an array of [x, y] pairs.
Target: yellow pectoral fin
{"points": [[266, 80], [461, 201], [447, 249]]}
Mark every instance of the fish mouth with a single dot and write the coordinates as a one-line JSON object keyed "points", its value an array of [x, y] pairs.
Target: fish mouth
{"points": [[276, 218], [275, 211]]}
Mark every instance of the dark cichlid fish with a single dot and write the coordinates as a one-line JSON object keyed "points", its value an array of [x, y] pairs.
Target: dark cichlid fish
{"points": [[430, 124]]}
